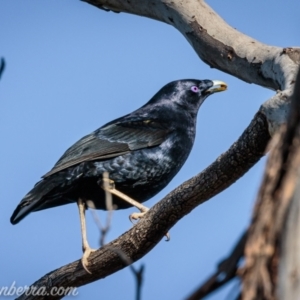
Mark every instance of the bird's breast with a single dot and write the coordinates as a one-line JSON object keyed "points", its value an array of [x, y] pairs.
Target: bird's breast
{"points": [[143, 173]]}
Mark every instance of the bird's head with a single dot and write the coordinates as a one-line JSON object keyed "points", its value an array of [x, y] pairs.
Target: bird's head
{"points": [[188, 93]]}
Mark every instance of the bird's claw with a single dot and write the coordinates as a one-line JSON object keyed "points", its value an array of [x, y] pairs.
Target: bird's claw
{"points": [[168, 237], [137, 216], [84, 259], [140, 215]]}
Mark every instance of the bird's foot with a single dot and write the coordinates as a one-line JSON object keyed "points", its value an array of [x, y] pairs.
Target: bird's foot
{"points": [[109, 186], [168, 237], [140, 215], [84, 260], [137, 216]]}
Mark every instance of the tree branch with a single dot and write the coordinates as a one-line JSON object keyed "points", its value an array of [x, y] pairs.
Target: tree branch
{"points": [[227, 270], [223, 47], [217, 44], [289, 264], [139, 240], [268, 234], [2, 66]]}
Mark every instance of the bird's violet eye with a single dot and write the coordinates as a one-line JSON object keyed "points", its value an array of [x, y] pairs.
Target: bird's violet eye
{"points": [[194, 89]]}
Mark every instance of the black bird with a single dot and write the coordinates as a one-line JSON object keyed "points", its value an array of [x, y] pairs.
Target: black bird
{"points": [[141, 152]]}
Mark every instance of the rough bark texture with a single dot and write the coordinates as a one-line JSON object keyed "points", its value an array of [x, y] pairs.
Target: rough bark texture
{"points": [[270, 238], [289, 244], [289, 264], [222, 47], [138, 241]]}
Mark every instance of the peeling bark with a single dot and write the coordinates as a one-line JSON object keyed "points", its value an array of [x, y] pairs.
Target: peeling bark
{"points": [[289, 264], [270, 236]]}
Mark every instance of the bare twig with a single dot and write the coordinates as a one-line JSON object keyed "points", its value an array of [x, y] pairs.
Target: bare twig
{"points": [[138, 274], [104, 229], [139, 277], [226, 271], [109, 207], [2, 66]]}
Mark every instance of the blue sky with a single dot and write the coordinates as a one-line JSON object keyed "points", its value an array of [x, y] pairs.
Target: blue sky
{"points": [[70, 69]]}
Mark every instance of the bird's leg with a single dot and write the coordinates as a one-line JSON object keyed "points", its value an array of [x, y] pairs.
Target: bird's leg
{"points": [[134, 216], [85, 245], [109, 186], [142, 208]]}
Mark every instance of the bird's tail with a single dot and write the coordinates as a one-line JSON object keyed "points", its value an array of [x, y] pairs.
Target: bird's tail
{"points": [[35, 199]]}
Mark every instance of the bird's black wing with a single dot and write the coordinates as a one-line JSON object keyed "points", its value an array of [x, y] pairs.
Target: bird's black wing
{"points": [[113, 140]]}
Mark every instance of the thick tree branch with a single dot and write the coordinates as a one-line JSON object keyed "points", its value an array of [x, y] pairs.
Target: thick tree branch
{"points": [[139, 240], [223, 47], [268, 236], [217, 43], [289, 265]]}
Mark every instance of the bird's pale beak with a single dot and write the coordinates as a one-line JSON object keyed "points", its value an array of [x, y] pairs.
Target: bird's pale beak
{"points": [[219, 86]]}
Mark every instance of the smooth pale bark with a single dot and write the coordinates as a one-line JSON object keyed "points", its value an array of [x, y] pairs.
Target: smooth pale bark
{"points": [[223, 47]]}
